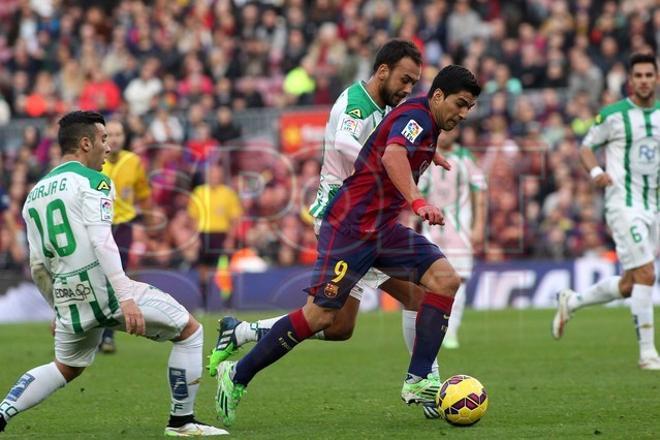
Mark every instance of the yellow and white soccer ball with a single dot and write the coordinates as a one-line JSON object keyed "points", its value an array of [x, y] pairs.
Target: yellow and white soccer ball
{"points": [[462, 400]]}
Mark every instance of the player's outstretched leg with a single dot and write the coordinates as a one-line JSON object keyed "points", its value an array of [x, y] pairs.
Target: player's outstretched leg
{"points": [[30, 389], [563, 313], [568, 301], [409, 317], [431, 325], [229, 394], [227, 343], [286, 334], [184, 371], [234, 333]]}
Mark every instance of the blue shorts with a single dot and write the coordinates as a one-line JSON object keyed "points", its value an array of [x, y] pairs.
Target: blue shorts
{"points": [[342, 260]]}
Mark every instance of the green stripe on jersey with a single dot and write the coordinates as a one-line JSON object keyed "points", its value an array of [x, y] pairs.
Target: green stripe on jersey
{"points": [[645, 191], [647, 122], [626, 157], [75, 318], [649, 132]]}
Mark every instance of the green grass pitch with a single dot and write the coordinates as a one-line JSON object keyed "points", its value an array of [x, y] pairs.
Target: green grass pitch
{"points": [[584, 386]]}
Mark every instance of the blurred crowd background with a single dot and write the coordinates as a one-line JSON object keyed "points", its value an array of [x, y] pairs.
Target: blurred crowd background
{"points": [[193, 81]]}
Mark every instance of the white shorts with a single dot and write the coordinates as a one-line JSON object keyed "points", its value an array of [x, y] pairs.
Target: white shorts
{"points": [[164, 320], [636, 235], [455, 245], [371, 280]]}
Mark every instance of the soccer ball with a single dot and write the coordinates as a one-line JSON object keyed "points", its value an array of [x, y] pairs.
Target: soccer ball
{"points": [[462, 400]]}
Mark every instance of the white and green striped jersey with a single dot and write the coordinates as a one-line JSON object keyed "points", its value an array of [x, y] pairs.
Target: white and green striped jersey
{"points": [[631, 137], [353, 117], [450, 190], [57, 212]]}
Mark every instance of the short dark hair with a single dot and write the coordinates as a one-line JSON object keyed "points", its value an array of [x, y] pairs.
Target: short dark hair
{"points": [[75, 126], [453, 79], [639, 58], [394, 51]]}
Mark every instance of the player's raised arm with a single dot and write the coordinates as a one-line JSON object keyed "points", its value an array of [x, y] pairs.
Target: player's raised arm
{"points": [[397, 166]]}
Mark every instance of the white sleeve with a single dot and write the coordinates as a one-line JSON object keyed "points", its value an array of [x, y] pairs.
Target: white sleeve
{"points": [[107, 253], [347, 133], [97, 213], [97, 207], [598, 134]]}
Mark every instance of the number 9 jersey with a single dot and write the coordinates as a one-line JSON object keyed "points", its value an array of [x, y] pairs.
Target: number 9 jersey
{"points": [[57, 212]]}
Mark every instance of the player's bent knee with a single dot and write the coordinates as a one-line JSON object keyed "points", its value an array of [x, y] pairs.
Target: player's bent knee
{"points": [[68, 371], [342, 332], [318, 318], [190, 328], [644, 275], [443, 282]]}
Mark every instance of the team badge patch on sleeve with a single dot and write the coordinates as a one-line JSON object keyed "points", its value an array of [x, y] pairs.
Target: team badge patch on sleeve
{"points": [[350, 125], [106, 210], [412, 130]]}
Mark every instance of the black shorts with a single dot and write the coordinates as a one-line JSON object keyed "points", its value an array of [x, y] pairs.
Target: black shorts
{"points": [[212, 246], [342, 260]]}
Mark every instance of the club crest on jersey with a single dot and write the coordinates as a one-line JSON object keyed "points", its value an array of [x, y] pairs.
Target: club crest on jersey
{"points": [[412, 130], [331, 290], [106, 210]]}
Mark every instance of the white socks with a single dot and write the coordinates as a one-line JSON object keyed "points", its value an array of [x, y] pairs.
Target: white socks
{"points": [[603, 291], [185, 371], [408, 318], [31, 388], [641, 307], [456, 312]]}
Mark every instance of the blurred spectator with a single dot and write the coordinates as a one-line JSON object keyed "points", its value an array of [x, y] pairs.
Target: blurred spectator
{"points": [[225, 128], [299, 83], [99, 93], [165, 127], [141, 91]]}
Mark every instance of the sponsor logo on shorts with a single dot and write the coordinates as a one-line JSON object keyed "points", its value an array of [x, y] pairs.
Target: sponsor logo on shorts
{"points": [[331, 290]]}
